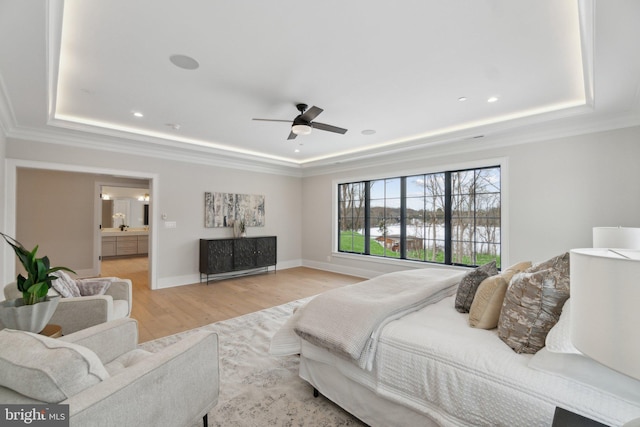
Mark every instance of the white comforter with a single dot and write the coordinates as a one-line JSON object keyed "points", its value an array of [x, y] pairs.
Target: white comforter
{"points": [[347, 321], [432, 361]]}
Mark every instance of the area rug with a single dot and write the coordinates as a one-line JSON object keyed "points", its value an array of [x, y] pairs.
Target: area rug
{"points": [[257, 389]]}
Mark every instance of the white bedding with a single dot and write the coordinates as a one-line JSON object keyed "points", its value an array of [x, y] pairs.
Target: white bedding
{"points": [[347, 321], [433, 362]]}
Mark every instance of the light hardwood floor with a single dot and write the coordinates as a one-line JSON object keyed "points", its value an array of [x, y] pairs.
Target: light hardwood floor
{"points": [[168, 311]]}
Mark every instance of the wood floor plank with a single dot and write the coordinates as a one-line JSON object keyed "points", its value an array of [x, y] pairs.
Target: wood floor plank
{"points": [[168, 311]]}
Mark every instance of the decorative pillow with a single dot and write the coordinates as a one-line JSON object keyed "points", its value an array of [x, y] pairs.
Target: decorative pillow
{"points": [[559, 338], [46, 369], [487, 303], [532, 305], [469, 285], [65, 285], [514, 269], [89, 287], [560, 263]]}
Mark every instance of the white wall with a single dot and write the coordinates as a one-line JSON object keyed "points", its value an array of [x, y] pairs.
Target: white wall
{"points": [[3, 245], [180, 195], [554, 192]]}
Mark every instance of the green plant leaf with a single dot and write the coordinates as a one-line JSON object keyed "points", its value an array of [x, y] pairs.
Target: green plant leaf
{"points": [[38, 281]]}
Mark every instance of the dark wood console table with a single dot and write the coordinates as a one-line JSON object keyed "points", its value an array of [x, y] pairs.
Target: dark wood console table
{"points": [[219, 256]]}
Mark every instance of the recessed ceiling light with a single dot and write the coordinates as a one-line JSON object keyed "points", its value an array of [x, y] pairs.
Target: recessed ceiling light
{"points": [[462, 98], [492, 99], [138, 114], [185, 62], [368, 132], [296, 151]]}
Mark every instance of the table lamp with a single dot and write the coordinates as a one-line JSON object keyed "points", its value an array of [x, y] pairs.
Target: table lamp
{"points": [[605, 318]]}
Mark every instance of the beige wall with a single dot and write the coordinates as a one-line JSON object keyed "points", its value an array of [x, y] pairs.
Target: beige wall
{"points": [[554, 192], [180, 195], [54, 210]]}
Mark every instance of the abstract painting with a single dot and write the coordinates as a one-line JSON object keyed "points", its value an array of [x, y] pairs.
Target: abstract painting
{"points": [[223, 209]]}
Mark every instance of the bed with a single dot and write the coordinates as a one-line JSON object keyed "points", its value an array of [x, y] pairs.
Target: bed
{"points": [[424, 364]]}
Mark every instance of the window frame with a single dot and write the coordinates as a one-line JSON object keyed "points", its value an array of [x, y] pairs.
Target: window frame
{"points": [[503, 240]]}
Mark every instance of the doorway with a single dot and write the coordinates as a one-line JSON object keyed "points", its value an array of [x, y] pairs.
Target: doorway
{"points": [[124, 229], [48, 234]]}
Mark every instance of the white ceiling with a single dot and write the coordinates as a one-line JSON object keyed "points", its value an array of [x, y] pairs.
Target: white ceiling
{"points": [[78, 69]]}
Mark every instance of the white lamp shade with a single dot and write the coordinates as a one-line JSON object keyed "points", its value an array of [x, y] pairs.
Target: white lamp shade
{"points": [[616, 237], [605, 291]]}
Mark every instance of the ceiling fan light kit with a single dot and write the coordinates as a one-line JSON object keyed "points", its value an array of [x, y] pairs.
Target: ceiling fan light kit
{"points": [[301, 129], [303, 123]]}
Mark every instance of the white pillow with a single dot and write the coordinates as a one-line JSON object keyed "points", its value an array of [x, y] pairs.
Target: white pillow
{"points": [[46, 369], [559, 338], [65, 285]]}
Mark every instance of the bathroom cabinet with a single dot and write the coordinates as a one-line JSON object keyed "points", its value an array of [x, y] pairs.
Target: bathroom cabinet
{"points": [[122, 245]]}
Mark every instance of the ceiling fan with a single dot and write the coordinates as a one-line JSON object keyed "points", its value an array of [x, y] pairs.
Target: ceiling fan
{"points": [[303, 123]]}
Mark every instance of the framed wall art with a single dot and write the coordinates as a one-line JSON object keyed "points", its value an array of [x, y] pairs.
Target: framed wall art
{"points": [[224, 209]]}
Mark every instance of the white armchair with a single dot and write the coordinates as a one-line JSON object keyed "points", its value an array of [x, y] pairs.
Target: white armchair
{"points": [[77, 313], [107, 380]]}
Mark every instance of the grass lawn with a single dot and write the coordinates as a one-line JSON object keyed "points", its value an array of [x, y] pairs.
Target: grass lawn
{"points": [[352, 241]]}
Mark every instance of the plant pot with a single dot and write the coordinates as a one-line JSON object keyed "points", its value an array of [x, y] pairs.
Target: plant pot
{"points": [[14, 314]]}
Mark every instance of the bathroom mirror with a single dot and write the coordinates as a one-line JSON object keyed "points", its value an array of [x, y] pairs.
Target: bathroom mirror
{"points": [[124, 205]]}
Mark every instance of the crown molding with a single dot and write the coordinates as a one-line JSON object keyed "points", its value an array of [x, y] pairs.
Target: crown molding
{"points": [[169, 150], [533, 133]]}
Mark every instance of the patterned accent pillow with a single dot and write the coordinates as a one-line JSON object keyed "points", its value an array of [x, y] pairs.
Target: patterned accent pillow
{"points": [[469, 285], [533, 304], [88, 287], [487, 303], [65, 285]]}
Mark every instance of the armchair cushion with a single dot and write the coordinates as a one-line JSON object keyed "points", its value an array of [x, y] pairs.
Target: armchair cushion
{"points": [[175, 386], [46, 369]]}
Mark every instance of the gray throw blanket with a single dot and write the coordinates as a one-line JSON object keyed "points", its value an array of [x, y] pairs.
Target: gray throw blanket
{"points": [[347, 321]]}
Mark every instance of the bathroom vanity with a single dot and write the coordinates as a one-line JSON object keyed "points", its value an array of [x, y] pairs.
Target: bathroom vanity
{"points": [[123, 243]]}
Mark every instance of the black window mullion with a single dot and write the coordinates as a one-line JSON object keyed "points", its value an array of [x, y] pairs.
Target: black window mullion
{"points": [[447, 218], [367, 217], [403, 217], [486, 218]]}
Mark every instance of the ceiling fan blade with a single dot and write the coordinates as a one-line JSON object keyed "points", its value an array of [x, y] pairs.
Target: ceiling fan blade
{"points": [[273, 120], [324, 126], [292, 135], [311, 113]]}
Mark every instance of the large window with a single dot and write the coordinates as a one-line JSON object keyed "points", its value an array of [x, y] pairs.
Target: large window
{"points": [[450, 217]]}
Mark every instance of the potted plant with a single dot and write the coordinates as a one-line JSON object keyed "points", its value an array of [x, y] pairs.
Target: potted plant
{"points": [[35, 308]]}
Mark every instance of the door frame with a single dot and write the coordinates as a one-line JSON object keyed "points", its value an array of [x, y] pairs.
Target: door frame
{"points": [[11, 174]]}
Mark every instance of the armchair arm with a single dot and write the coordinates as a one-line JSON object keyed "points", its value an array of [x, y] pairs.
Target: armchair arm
{"points": [[120, 289], [74, 314], [174, 387], [108, 340]]}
